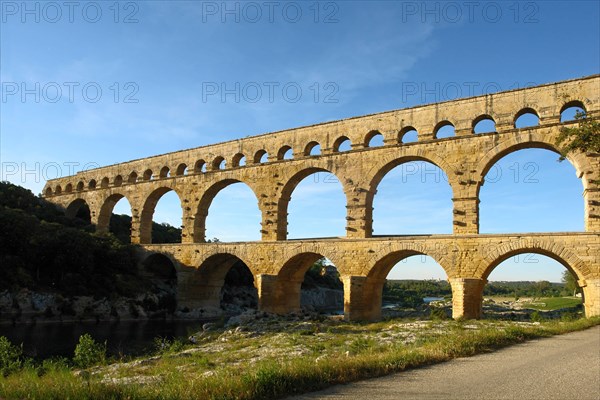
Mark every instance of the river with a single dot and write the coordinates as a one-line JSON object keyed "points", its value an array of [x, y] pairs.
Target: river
{"points": [[44, 340]]}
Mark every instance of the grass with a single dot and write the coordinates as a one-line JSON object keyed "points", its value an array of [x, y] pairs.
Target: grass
{"points": [[553, 303], [270, 364]]}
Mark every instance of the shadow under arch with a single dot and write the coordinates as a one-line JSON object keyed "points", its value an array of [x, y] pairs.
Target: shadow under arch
{"points": [[78, 208], [148, 212], [284, 297], [382, 171], [286, 196], [377, 276], [201, 287], [204, 205]]}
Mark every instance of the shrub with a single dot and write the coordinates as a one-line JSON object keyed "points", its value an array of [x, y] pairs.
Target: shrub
{"points": [[10, 356], [88, 352]]}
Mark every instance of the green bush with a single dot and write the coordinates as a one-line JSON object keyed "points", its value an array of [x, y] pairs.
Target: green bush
{"points": [[10, 356], [88, 352]]}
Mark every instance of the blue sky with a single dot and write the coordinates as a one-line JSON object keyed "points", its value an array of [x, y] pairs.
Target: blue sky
{"points": [[98, 84]]}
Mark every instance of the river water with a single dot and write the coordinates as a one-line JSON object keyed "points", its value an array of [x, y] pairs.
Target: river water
{"points": [[44, 340]]}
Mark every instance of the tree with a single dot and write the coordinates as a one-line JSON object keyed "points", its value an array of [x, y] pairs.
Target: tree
{"points": [[584, 137], [570, 282]]}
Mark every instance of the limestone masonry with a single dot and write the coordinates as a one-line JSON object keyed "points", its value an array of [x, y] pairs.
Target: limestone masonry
{"points": [[363, 261]]}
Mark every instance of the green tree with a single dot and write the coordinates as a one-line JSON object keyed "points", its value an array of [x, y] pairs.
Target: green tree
{"points": [[584, 137], [570, 282]]}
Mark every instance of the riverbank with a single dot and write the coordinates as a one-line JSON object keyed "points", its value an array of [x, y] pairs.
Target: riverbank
{"points": [[261, 356]]}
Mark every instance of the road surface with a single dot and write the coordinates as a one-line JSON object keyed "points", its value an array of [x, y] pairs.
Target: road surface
{"points": [[561, 367]]}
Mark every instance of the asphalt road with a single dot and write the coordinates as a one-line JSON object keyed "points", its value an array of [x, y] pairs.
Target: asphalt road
{"points": [[561, 367]]}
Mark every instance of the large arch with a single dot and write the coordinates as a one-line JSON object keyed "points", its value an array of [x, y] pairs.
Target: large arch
{"points": [[147, 213], [204, 205], [378, 174], [201, 287], [74, 207], [286, 195], [106, 212], [513, 167]]}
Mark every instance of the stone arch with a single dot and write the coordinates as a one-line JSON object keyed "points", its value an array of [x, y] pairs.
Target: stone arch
{"points": [[376, 276], [258, 156], [201, 288], [523, 111], [237, 160], [370, 136], [199, 166], [572, 103], [80, 186], [164, 172], [92, 184], [338, 142], [132, 178], [494, 255], [148, 212], [69, 188], [181, 169], [217, 163], [440, 125], [48, 191], [106, 210], [377, 173], [205, 202], [310, 147], [118, 181], [285, 197], [283, 151], [73, 208], [510, 146], [58, 189], [147, 175], [104, 182], [481, 118], [404, 131]]}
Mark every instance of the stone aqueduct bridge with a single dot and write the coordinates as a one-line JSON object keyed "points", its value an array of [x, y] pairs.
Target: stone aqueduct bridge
{"points": [[363, 261]]}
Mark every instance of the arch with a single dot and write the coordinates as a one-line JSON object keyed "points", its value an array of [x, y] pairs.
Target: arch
{"points": [[104, 182], [571, 107], [48, 191], [80, 186], [340, 143], [286, 193], [444, 129], [380, 172], [74, 207], [312, 149], [526, 117], [69, 188], [58, 189], [507, 147], [199, 166], [147, 175], [148, 212], [239, 160], [132, 178], [372, 139], [484, 124], [161, 266], [181, 169], [285, 153], [496, 255], [118, 181], [218, 163], [106, 211], [165, 172], [408, 134], [92, 184], [204, 205], [261, 156]]}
